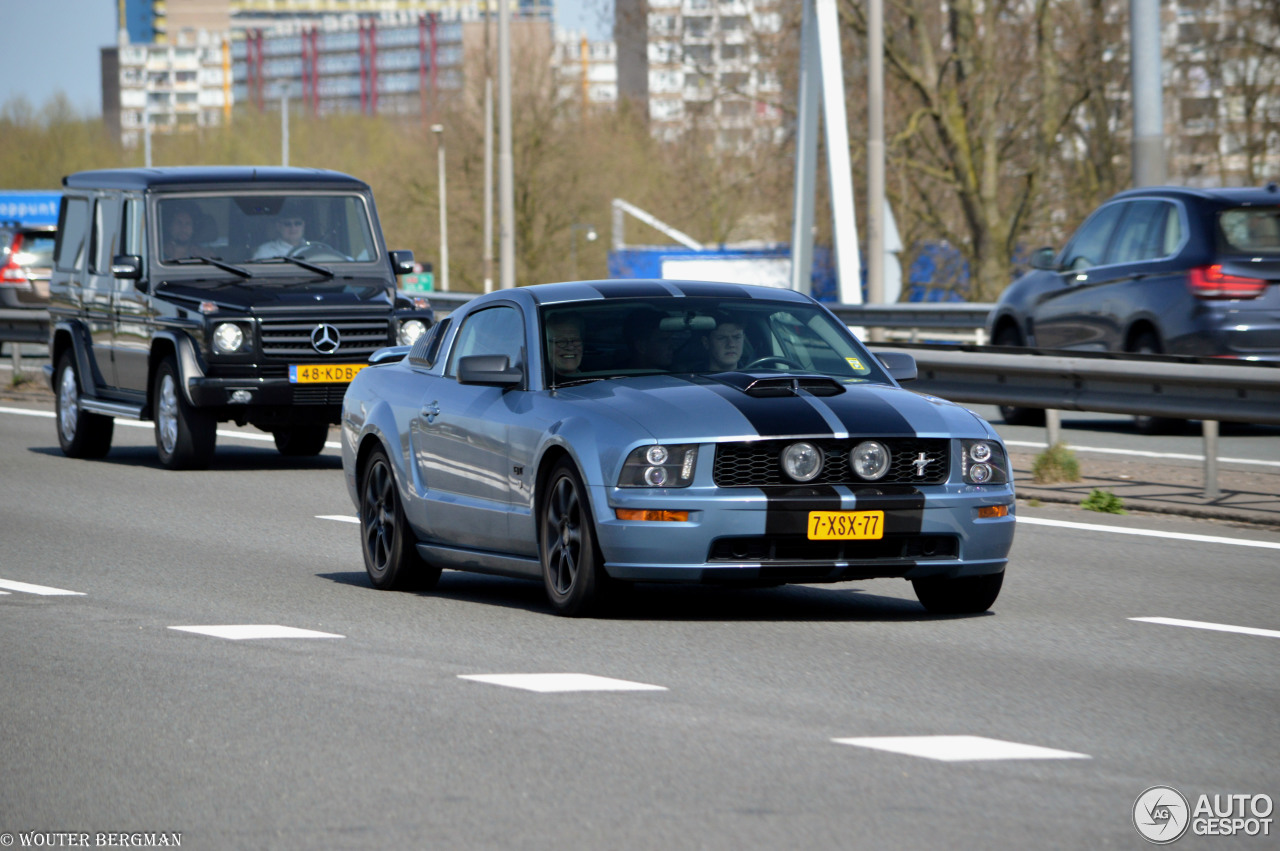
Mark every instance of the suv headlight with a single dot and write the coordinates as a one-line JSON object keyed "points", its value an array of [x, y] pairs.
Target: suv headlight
{"points": [[228, 338], [659, 466], [983, 462], [410, 331]]}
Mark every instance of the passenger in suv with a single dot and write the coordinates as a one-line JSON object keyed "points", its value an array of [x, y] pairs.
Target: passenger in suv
{"points": [[161, 310]]}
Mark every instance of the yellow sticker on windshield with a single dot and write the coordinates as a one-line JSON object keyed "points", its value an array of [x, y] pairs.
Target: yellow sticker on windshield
{"points": [[856, 364]]}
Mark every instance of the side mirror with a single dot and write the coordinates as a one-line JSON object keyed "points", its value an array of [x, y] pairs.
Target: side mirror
{"points": [[1044, 258], [402, 262], [127, 266], [901, 366], [493, 370]]}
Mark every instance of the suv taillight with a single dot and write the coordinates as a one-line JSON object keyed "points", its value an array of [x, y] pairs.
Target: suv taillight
{"points": [[1211, 282], [13, 275]]}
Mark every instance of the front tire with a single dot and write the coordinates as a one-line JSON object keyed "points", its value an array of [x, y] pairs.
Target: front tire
{"points": [[301, 441], [1149, 344], [572, 570], [390, 556], [963, 595], [80, 434], [185, 435]]}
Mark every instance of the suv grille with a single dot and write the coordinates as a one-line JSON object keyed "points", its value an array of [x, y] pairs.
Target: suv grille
{"points": [[291, 338], [758, 463]]}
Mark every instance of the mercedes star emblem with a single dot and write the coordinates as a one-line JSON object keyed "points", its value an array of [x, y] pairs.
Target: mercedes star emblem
{"points": [[325, 339]]}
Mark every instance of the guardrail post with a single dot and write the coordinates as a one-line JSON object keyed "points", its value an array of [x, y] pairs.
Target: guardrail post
{"points": [[17, 360], [1210, 429], [1053, 426]]}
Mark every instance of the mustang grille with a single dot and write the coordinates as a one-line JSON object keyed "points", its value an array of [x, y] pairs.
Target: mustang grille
{"points": [[291, 338], [758, 463]]}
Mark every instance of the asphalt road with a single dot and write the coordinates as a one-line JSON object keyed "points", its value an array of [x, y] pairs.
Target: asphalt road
{"points": [[371, 735]]}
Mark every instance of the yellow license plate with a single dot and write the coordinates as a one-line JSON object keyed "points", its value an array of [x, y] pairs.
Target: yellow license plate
{"points": [[846, 525], [323, 373]]}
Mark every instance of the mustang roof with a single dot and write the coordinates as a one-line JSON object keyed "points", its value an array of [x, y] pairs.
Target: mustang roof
{"points": [[654, 288]]}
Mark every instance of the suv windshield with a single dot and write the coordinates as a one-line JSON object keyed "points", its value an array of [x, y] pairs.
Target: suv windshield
{"points": [[245, 228], [610, 338]]}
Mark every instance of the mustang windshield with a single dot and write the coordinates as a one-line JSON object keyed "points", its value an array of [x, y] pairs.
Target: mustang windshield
{"points": [[609, 338], [247, 228]]}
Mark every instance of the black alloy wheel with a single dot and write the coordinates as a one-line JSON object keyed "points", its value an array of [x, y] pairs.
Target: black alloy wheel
{"points": [[572, 570], [1149, 344], [387, 543], [1012, 414]]}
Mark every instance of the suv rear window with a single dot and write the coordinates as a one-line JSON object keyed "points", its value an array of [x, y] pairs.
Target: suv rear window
{"points": [[1251, 230]]}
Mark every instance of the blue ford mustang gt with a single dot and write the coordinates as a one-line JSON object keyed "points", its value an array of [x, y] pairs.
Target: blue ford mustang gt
{"points": [[593, 434]]}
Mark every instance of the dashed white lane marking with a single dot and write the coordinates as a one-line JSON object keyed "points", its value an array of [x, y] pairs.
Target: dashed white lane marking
{"points": [[959, 748], [1140, 453], [547, 683], [1216, 627], [240, 632], [1148, 533], [341, 518], [42, 590], [222, 432]]}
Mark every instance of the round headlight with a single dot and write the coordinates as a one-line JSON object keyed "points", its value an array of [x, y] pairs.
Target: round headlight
{"points": [[655, 476], [656, 455], [802, 461], [980, 452], [870, 459], [980, 474], [227, 338], [410, 331]]}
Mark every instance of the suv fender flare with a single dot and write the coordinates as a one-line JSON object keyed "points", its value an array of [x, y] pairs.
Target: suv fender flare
{"points": [[190, 364], [69, 334]]}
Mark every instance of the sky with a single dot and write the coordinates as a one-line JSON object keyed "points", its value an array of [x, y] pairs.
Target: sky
{"points": [[52, 45]]}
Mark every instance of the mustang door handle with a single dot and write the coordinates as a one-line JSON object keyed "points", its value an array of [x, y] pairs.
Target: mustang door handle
{"points": [[430, 412]]}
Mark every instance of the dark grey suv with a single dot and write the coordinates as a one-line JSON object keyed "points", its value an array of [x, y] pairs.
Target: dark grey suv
{"points": [[1162, 270], [193, 296]]}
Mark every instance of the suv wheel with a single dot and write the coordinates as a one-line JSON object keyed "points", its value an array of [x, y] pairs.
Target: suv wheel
{"points": [[301, 441], [1012, 414], [81, 435], [185, 435], [1148, 344]]}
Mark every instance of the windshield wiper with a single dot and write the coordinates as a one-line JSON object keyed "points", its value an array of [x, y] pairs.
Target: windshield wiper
{"points": [[578, 381], [311, 267], [213, 261]]}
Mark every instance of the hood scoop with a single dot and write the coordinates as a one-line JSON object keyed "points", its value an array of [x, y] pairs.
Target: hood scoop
{"points": [[782, 385]]}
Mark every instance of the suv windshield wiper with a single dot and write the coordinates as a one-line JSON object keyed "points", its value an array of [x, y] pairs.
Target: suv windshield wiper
{"points": [[312, 267], [213, 261]]}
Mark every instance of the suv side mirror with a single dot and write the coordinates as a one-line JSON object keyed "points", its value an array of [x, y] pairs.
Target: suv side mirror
{"points": [[402, 262], [1044, 259], [900, 365], [494, 370], [127, 266]]}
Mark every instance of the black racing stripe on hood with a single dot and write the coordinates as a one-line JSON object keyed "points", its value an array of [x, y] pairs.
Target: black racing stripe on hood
{"points": [[866, 413], [787, 511], [903, 507], [775, 416], [634, 290]]}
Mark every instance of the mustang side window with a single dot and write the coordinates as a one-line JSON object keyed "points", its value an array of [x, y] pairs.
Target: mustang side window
{"points": [[493, 331]]}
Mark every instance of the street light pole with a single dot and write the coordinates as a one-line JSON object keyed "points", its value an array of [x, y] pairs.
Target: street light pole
{"points": [[438, 129]]}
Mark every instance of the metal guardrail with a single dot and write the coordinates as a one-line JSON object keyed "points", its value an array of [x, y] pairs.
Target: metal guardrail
{"points": [[24, 326], [1193, 389]]}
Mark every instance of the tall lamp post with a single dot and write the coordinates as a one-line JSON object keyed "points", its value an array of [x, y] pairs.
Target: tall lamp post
{"points": [[438, 129], [591, 234]]}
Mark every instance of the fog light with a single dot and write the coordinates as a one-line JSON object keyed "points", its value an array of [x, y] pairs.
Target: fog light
{"points": [[802, 461], [870, 459], [241, 397]]}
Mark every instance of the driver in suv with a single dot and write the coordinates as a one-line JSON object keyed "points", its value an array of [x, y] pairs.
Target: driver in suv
{"points": [[291, 233]]}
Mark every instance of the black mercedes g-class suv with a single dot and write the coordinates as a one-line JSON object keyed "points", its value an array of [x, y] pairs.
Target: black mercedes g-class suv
{"points": [[197, 295]]}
